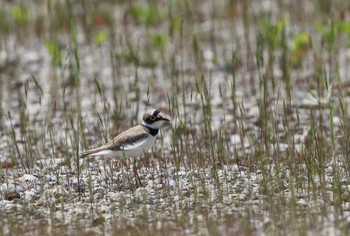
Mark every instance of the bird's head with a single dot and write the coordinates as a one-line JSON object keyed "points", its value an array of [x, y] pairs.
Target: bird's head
{"points": [[154, 119]]}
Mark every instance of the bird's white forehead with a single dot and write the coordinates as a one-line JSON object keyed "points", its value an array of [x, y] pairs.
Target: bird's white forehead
{"points": [[155, 112]]}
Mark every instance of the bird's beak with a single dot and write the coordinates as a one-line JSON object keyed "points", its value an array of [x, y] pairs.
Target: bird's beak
{"points": [[165, 119]]}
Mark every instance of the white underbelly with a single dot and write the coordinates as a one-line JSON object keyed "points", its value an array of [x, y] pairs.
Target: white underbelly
{"points": [[129, 151]]}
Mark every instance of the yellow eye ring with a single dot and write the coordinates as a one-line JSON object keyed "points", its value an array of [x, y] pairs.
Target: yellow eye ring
{"points": [[152, 118]]}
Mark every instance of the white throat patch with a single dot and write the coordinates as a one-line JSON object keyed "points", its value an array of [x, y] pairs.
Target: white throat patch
{"points": [[152, 126]]}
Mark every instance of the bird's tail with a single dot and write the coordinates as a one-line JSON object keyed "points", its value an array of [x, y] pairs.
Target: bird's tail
{"points": [[91, 152], [100, 151], [86, 153]]}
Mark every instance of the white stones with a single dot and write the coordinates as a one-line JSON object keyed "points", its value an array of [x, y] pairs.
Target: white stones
{"points": [[28, 178], [52, 163], [11, 187], [99, 190], [10, 207], [30, 196], [235, 139], [77, 184], [165, 193], [113, 196]]}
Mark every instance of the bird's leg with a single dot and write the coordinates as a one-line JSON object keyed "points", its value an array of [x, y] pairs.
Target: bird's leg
{"points": [[136, 174]]}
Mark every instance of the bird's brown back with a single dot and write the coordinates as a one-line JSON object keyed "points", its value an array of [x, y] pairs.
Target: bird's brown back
{"points": [[127, 137]]}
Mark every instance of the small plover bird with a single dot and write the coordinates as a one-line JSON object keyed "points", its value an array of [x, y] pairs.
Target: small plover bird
{"points": [[132, 142]]}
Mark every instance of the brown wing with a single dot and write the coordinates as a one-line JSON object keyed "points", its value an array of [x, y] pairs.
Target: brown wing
{"points": [[127, 138], [133, 135]]}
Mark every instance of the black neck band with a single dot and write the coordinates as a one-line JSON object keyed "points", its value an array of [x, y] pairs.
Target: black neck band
{"points": [[152, 131]]}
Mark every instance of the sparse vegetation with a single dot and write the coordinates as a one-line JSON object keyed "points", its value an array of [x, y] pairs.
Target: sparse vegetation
{"points": [[257, 92]]}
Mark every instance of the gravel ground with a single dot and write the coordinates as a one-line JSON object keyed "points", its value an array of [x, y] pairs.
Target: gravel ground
{"points": [[44, 189]]}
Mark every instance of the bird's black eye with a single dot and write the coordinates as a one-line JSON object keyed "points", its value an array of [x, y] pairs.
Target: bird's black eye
{"points": [[152, 118]]}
